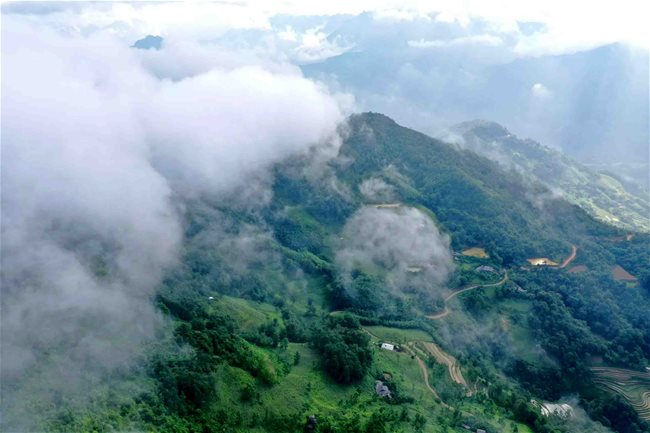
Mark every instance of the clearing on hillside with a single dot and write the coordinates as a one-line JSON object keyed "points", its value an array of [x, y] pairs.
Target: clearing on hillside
{"points": [[633, 386], [578, 269], [621, 274], [477, 252]]}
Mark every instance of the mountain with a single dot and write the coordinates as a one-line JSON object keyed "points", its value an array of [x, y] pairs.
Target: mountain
{"points": [[287, 289], [430, 74], [603, 195], [149, 42]]}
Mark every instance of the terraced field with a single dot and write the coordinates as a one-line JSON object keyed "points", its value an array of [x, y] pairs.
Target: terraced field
{"points": [[632, 385], [446, 359]]}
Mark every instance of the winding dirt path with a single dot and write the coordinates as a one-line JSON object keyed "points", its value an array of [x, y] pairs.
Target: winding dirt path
{"points": [[421, 364], [452, 295], [570, 258], [425, 374], [452, 364]]}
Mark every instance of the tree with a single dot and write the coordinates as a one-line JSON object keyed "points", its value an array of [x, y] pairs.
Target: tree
{"points": [[345, 349]]}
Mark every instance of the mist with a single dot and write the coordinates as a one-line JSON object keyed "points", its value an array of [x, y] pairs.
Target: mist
{"points": [[376, 190], [579, 420], [403, 244], [100, 152]]}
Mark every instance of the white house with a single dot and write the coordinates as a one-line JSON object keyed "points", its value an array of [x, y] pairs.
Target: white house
{"points": [[387, 346]]}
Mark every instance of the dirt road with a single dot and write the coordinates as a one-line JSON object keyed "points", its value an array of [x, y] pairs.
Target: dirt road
{"points": [[570, 258], [451, 363], [446, 311], [425, 373], [421, 364]]}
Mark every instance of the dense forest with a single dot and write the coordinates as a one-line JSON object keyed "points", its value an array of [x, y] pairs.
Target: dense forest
{"points": [[274, 310]]}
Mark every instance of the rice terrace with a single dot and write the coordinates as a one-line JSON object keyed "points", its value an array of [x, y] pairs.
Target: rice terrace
{"points": [[633, 386]]}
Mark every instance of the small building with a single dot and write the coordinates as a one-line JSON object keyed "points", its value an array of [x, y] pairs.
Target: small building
{"points": [[480, 430], [541, 261], [381, 389], [311, 424], [484, 268], [387, 346], [560, 410]]}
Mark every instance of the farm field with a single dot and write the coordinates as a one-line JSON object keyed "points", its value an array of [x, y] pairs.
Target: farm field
{"points": [[476, 252], [621, 274], [578, 269], [633, 386]]}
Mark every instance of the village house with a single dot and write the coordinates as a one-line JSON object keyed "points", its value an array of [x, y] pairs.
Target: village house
{"points": [[387, 346], [381, 389], [485, 268]]}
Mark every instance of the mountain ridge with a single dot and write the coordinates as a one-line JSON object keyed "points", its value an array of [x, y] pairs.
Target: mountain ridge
{"points": [[603, 195]]}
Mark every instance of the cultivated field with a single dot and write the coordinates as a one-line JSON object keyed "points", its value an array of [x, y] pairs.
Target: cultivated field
{"points": [[577, 269], [632, 385], [479, 253], [621, 274], [446, 359]]}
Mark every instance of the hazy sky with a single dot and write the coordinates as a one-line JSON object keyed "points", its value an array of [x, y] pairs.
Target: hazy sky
{"points": [[569, 25]]}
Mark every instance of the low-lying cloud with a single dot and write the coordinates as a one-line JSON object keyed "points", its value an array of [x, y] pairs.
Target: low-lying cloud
{"points": [[99, 154], [485, 39], [402, 241], [377, 190]]}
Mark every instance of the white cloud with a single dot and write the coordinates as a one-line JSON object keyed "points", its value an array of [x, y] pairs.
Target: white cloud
{"points": [[397, 240], [288, 34], [400, 15], [540, 91], [98, 154], [569, 26], [314, 45], [485, 40]]}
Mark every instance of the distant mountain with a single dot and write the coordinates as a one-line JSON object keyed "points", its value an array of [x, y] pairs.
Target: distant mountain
{"points": [[592, 104], [149, 42], [603, 195]]}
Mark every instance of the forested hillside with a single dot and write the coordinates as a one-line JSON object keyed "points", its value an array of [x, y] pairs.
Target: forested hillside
{"points": [[279, 304], [604, 195]]}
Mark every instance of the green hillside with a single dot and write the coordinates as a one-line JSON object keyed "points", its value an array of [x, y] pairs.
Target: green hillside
{"points": [[602, 194], [277, 311]]}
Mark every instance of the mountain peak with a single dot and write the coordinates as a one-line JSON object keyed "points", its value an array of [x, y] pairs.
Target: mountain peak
{"points": [[484, 129], [148, 42]]}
